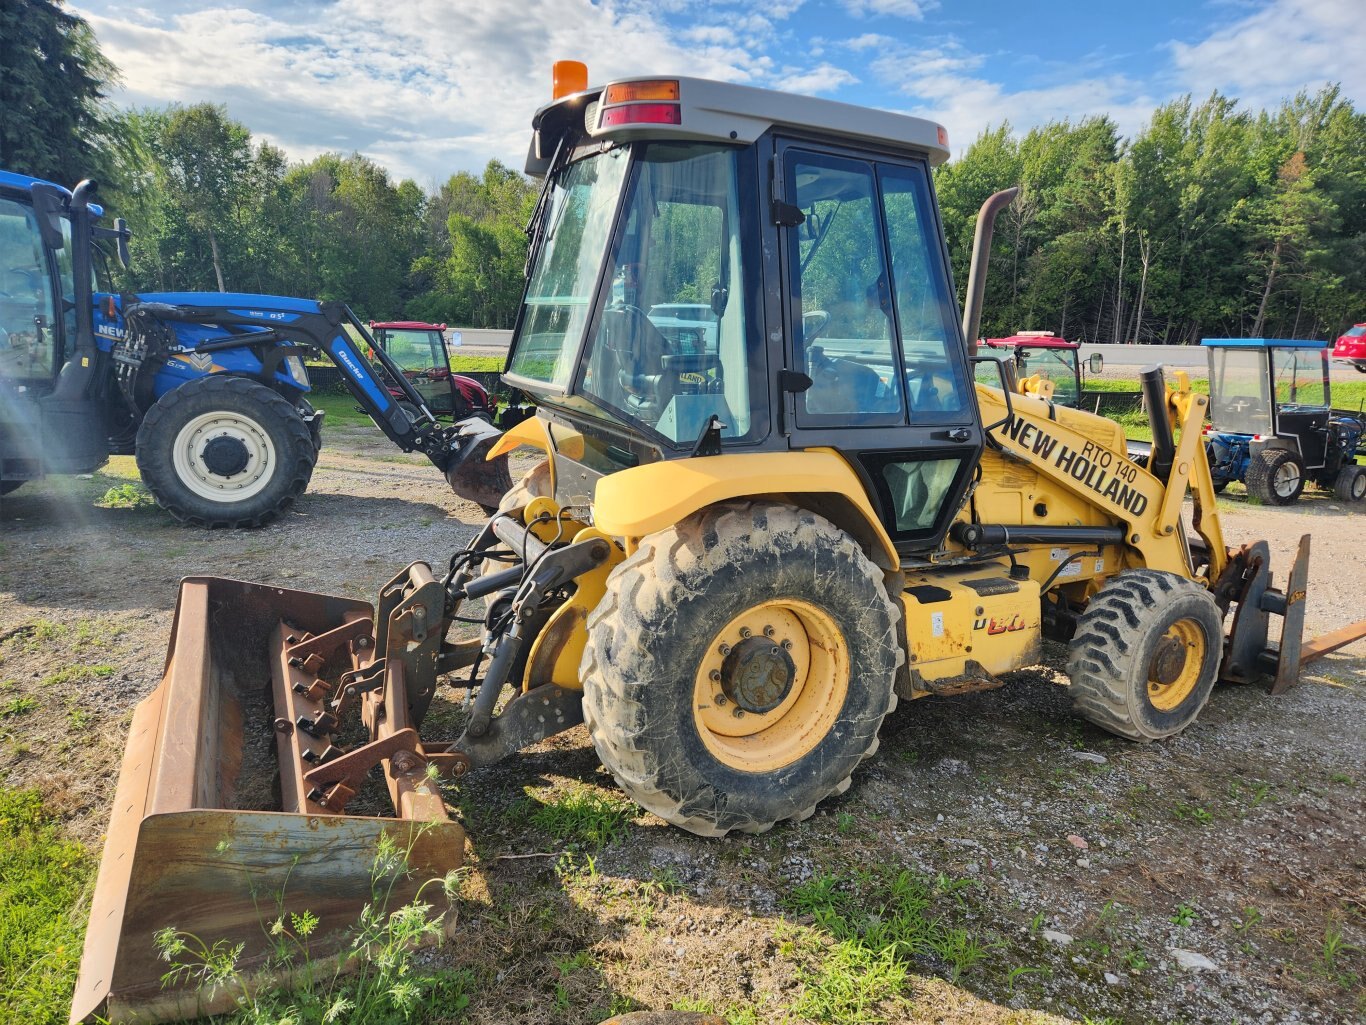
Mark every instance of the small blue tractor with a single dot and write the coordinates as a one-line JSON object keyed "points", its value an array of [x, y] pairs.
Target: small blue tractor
{"points": [[1272, 422], [209, 391]]}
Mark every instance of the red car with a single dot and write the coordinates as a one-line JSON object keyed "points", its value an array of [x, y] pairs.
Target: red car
{"points": [[1351, 347], [420, 350]]}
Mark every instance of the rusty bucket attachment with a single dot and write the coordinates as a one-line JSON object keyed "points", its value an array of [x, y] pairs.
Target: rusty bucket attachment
{"points": [[468, 470], [238, 767], [1249, 654]]}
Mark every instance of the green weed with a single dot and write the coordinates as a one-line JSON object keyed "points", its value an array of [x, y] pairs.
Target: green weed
{"points": [[1193, 814], [126, 496], [384, 988], [1184, 916], [849, 984], [42, 877], [17, 706], [584, 816], [1251, 917]]}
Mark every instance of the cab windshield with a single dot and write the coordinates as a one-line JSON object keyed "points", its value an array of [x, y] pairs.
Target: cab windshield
{"points": [[657, 287], [1054, 364], [413, 349]]}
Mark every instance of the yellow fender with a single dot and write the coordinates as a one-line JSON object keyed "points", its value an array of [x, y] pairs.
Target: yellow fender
{"points": [[531, 431], [645, 499]]}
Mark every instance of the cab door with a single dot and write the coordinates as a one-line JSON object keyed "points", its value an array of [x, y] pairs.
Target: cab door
{"points": [[871, 323]]}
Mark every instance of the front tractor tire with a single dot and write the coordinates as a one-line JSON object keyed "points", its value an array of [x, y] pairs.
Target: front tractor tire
{"points": [[1146, 654], [1350, 485], [1275, 476], [739, 666], [225, 451]]}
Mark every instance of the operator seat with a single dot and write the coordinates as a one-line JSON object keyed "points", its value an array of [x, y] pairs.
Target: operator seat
{"points": [[844, 386]]}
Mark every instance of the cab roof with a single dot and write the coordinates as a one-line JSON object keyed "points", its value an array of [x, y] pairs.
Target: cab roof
{"points": [[1264, 343], [1032, 341], [10, 180], [711, 111]]}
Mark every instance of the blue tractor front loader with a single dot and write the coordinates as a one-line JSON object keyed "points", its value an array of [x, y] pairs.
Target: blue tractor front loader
{"points": [[208, 391]]}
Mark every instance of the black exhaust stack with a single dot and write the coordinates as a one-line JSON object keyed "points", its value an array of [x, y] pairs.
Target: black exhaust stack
{"points": [[1154, 387]]}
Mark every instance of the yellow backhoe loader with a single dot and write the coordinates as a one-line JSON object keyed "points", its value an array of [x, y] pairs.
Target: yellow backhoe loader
{"points": [[773, 503]]}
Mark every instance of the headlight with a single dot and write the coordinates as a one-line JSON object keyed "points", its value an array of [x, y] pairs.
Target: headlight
{"points": [[297, 370]]}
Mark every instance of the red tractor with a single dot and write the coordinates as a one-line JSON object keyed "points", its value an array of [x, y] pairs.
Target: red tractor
{"points": [[419, 349], [1044, 354]]}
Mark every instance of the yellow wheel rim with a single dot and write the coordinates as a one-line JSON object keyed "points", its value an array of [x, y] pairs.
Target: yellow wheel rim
{"points": [[1176, 665], [771, 685]]}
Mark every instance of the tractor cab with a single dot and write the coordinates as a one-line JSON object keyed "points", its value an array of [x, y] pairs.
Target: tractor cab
{"points": [[717, 270], [1273, 425], [49, 420], [1041, 356], [418, 349]]}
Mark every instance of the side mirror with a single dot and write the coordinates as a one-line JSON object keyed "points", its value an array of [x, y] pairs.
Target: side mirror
{"points": [[1096, 363], [49, 203], [121, 236]]}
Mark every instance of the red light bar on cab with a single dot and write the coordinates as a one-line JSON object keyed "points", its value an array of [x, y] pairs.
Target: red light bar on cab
{"points": [[641, 114]]}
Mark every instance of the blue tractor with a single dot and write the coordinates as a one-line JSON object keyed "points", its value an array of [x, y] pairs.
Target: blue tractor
{"points": [[208, 391], [1272, 422]]}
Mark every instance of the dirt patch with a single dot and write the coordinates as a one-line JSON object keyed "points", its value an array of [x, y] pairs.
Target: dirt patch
{"points": [[1213, 877]]}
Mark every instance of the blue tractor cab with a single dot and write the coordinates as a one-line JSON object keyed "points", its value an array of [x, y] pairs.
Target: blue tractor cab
{"points": [[1272, 423], [208, 391]]}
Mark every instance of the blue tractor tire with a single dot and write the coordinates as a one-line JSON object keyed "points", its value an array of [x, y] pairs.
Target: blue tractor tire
{"points": [[225, 451]]}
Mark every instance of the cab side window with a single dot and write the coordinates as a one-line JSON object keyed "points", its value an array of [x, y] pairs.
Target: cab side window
{"points": [[28, 345], [845, 334], [936, 385]]}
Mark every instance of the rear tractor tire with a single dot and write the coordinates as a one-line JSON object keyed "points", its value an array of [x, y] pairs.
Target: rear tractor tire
{"points": [[1275, 476], [739, 667], [225, 451], [1146, 654], [1350, 485]]}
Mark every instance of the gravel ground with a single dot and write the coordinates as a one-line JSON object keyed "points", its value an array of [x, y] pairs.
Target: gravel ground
{"points": [[1214, 877]]}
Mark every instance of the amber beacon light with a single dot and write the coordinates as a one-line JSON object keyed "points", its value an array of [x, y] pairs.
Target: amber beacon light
{"points": [[569, 77]]}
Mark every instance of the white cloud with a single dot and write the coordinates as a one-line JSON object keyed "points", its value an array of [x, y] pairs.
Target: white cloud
{"points": [[1285, 46], [914, 9], [952, 85], [427, 87], [823, 78]]}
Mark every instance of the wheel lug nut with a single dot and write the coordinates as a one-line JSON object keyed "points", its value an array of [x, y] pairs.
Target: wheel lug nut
{"points": [[724, 649], [715, 675], [738, 713], [720, 700], [787, 645], [768, 631], [746, 632]]}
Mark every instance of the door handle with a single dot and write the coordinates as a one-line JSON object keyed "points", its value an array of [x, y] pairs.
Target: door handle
{"points": [[959, 434]]}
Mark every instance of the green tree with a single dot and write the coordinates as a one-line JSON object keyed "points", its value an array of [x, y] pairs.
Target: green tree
{"points": [[54, 123], [477, 279]]}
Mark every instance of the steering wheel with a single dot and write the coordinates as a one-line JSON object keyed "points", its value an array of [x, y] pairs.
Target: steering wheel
{"points": [[813, 323], [1238, 404]]}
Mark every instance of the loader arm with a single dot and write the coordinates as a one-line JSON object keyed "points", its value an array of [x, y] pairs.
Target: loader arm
{"points": [[458, 450], [1084, 456]]}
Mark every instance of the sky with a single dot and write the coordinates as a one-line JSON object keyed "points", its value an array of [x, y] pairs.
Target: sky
{"points": [[431, 87]]}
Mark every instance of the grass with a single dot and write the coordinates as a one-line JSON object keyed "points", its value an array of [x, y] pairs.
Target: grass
{"points": [[341, 409], [583, 816], [882, 923], [42, 880], [477, 364], [127, 496]]}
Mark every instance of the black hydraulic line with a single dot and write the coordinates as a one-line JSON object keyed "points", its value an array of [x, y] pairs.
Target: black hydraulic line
{"points": [[980, 535], [1154, 388]]}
